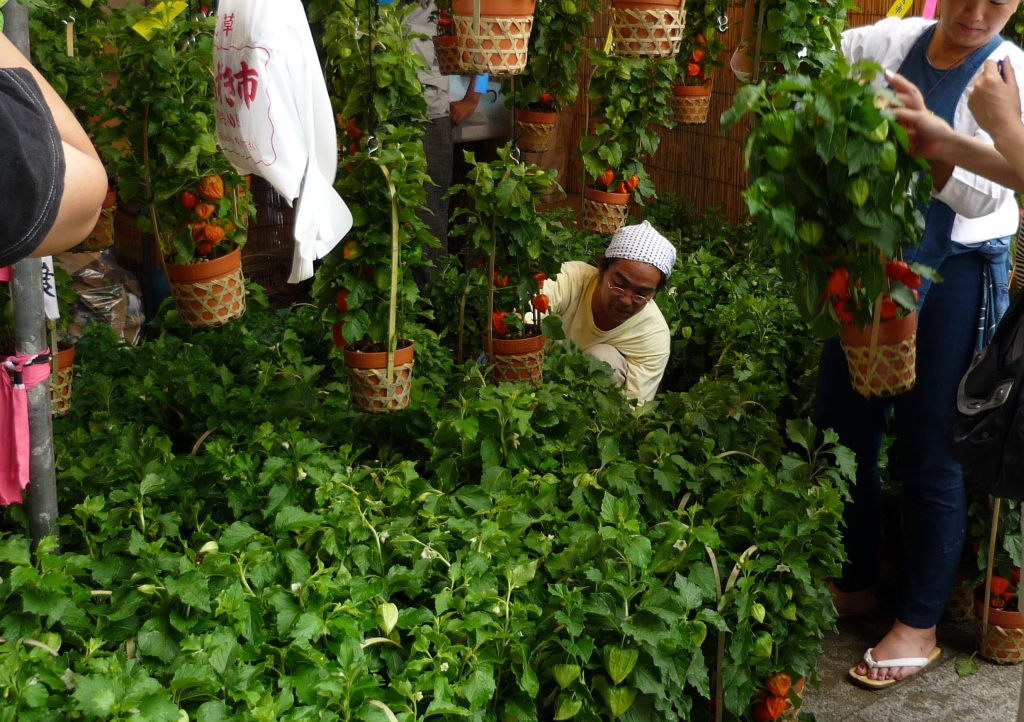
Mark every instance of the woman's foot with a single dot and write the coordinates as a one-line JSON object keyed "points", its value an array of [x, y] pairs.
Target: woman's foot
{"points": [[900, 643], [852, 604]]}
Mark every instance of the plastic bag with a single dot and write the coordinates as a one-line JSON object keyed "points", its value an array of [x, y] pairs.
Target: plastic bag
{"points": [[106, 293], [274, 117]]}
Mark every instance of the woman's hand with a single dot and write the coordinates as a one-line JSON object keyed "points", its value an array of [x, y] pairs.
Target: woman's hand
{"points": [[995, 100], [929, 134]]}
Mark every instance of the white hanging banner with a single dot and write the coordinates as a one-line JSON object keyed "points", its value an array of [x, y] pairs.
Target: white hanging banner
{"points": [[274, 117], [50, 290]]}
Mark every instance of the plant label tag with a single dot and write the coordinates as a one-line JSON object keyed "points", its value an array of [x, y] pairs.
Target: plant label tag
{"points": [[900, 8], [161, 14]]}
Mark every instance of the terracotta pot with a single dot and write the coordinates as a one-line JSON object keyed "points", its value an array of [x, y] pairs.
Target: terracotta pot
{"points": [[691, 103], [534, 128], [446, 51], [604, 212], [498, 45], [518, 359], [372, 392], [60, 382], [1003, 641], [102, 235], [891, 369], [648, 29], [960, 605], [209, 293]]}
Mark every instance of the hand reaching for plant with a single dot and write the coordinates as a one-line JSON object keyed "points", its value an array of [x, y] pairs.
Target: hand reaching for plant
{"points": [[995, 100], [929, 134], [462, 109]]}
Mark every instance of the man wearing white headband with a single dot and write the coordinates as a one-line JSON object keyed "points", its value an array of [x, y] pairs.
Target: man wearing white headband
{"points": [[609, 311]]}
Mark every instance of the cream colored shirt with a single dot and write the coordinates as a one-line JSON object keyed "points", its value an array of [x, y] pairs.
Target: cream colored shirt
{"points": [[643, 340]]}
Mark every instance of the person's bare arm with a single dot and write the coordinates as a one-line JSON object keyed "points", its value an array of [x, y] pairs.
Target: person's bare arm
{"points": [[462, 109], [85, 180], [995, 103], [934, 140]]}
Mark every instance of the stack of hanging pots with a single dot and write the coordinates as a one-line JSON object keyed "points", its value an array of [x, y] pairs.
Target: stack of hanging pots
{"points": [[493, 35], [446, 50], [647, 28]]}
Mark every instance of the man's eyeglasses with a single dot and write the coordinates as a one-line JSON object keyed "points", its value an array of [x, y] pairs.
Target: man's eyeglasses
{"points": [[637, 299]]}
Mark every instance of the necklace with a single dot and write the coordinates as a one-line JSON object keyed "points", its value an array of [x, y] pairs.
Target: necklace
{"points": [[949, 70]]}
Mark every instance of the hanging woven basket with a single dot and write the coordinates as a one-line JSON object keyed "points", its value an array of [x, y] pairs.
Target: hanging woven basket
{"points": [[372, 392], [604, 213], [446, 49], [209, 293], [648, 29], [518, 359], [890, 367], [1002, 640], [60, 382], [691, 103], [534, 129], [494, 40], [102, 235]]}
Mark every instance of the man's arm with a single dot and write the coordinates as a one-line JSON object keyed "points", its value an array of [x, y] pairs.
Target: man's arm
{"points": [[462, 109], [85, 180]]}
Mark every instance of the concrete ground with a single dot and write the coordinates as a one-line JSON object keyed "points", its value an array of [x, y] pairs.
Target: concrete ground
{"points": [[935, 694]]}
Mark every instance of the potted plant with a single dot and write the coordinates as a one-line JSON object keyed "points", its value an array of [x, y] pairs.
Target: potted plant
{"points": [[999, 625], [365, 287], [505, 228], [549, 81], [833, 191], [627, 97], [698, 58], [493, 35], [197, 206], [780, 699], [446, 42], [63, 350], [647, 28]]}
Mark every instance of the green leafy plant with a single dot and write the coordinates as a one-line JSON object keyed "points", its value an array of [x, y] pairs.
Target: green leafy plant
{"points": [[797, 36], [506, 228], [833, 192], [700, 52], [386, 105], [442, 15], [628, 97], [159, 135], [550, 80]]}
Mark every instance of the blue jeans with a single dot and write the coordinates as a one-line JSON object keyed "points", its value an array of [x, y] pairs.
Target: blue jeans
{"points": [[934, 504]]}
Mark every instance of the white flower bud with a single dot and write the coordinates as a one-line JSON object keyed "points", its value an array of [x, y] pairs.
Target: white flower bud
{"points": [[210, 547], [444, 666]]}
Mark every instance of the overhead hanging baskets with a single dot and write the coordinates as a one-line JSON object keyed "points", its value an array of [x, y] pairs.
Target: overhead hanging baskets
{"points": [[493, 34], [649, 28], [446, 49]]}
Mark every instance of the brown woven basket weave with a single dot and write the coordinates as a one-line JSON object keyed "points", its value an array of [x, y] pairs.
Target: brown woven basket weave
{"points": [[602, 217], [691, 106], [446, 50], [211, 293], [518, 359], [368, 379], [888, 369], [498, 46], [960, 605], [534, 129], [60, 383], [1003, 641], [102, 235], [647, 29]]}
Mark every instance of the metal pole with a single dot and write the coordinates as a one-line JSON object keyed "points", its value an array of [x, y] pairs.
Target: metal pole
{"points": [[30, 338]]}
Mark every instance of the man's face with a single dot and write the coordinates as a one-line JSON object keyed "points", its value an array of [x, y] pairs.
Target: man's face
{"points": [[972, 23], [619, 287]]}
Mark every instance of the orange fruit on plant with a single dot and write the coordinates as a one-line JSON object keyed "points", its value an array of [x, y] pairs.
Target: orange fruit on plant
{"points": [[205, 210], [214, 233], [211, 187]]}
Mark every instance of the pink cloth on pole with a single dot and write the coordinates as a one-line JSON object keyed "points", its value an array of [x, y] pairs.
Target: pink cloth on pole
{"points": [[20, 373], [929, 9], [5, 274]]}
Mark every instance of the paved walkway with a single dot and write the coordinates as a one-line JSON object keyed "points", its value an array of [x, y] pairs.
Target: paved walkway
{"points": [[936, 694]]}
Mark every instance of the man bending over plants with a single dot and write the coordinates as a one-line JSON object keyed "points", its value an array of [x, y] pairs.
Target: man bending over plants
{"points": [[607, 311]]}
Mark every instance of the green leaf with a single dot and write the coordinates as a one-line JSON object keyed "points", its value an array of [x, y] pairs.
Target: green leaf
{"points": [[293, 518], [191, 588], [97, 695], [235, 536]]}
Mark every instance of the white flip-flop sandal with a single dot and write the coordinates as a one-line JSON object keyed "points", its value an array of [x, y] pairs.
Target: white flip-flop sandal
{"points": [[865, 681]]}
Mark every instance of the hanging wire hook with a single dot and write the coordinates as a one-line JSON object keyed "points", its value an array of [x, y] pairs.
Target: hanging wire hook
{"points": [[372, 145], [723, 23], [515, 154]]}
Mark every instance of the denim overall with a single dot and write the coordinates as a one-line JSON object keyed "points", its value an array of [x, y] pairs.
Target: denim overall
{"points": [[934, 505]]}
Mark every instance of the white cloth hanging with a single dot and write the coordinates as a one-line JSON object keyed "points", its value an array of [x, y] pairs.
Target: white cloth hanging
{"points": [[274, 117]]}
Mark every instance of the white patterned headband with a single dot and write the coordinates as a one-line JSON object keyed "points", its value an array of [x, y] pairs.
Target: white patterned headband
{"points": [[643, 243]]}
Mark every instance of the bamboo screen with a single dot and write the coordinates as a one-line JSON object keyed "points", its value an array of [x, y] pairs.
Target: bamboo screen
{"points": [[698, 163]]}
